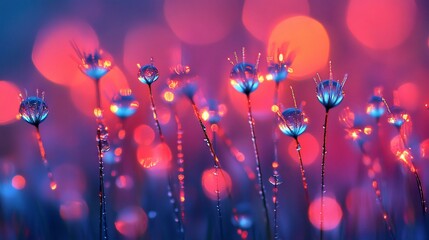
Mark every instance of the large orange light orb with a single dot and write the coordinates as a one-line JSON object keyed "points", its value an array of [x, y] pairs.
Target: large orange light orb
{"points": [[307, 39]]}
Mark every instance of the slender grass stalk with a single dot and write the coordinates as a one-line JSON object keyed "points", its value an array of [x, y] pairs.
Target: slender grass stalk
{"points": [[103, 231], [377, 191], [275, 163], [216, 162], [303, 177], [177, 213], [322, 200], [155, 115], [181, 167], [258, 167], [52, 183]]}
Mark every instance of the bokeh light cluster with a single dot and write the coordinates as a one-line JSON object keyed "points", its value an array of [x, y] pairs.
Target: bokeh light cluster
{"points": [[381, 44]]}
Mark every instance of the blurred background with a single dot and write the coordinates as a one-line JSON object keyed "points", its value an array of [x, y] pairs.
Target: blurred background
{"points": [[382, 45]]}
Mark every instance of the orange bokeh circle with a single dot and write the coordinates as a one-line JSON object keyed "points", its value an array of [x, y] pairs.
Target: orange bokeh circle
{"points": [[201, 21], [260, 17], [307, 39], [381, 24], [210, 181], [53, 54], [9, 102], [332, 213], [310, 149]]}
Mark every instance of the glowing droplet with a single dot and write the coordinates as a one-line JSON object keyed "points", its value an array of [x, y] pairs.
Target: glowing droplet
{"points": [[33, 110], [124, 104], [244, 77], [275, 180], [148, 74], [398, 116], [375, 107], [293, 122], [95, 64]]}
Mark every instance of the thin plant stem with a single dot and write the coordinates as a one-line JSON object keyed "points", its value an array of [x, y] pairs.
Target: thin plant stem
{"points": [[215, 161], [101, 194], [275, 163], [239, 156], [155, 115], [258, 167], [206, 137], [170, 185], [413, 170], [276, 204], [419, 185], [181, 169], [322, 200], [52, 183], [177, 218], [377, 191], [218, 205], [301, 167]]}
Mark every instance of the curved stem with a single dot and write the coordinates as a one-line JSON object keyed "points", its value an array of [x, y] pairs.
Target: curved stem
{"points": [[419, 186], [258, 167], [155, 115], [413, 169], [216, 162], [301, 167], [206, 137], [322, 200], [52, 183]]}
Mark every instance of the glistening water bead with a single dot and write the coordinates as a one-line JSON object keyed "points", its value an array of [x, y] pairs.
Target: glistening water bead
{"points": [[398, 116], [148, 74], [33, 110], [376, 107], [278, 71], [124, 104], [294, 122], [244, 77]]}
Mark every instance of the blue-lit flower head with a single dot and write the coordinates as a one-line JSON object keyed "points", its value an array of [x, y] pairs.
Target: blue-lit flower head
{"points": [[148, 73], [279, 68], [330, 92], [398, 116], [376, 107], [94, 64], [213, 111], [244, 76], [180, 80], [33, 109], [354, 125], [293, 122], [124, 104]]}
